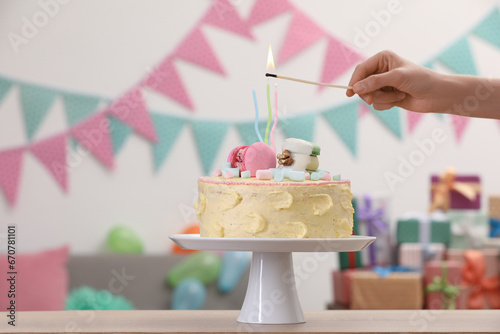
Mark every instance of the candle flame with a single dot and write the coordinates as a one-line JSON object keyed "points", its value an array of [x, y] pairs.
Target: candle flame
{"points": [[270, 59]]}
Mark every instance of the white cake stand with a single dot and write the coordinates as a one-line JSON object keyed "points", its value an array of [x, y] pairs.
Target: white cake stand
{"points": [[271, 296]]}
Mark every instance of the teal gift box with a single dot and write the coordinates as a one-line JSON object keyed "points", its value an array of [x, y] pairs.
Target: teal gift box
{"points": [[408, 230], [469, 228], [351, 259]]}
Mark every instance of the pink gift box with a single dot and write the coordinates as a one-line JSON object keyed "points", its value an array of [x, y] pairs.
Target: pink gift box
{"points": [[411, 254], [436, 269]]}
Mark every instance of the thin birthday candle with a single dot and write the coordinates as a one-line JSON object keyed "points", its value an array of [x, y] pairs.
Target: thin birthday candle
{"points": [[256, 116], [269, 113], [275, 116]]}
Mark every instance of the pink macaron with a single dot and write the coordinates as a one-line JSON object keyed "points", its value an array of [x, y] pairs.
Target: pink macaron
{"points": [[253, 157]]}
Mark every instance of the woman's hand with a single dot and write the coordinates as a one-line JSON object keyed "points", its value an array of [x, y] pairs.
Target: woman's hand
{"points": [[387, 80]]}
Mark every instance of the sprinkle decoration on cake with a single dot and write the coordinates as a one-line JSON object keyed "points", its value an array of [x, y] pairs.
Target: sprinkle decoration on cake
{"points": [[260, 194]]}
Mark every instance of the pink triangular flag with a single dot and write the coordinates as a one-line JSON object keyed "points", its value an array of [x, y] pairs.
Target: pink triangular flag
{"points": [[338, 58], [459, 124], [51, 153], [301, 34], [264, 10], [94, 135], [413, 119], [363, 109], [223, 15], [10, 173], [165, 80], [131, 109], [195, 48]]}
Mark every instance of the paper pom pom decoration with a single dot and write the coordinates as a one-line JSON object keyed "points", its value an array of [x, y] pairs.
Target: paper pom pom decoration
{"points": [[122, 239], [204, 266], [87, 298], [193, 228], [190, 294]]}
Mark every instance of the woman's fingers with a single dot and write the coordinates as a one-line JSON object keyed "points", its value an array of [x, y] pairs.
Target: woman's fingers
{"points": [[381, 97]]}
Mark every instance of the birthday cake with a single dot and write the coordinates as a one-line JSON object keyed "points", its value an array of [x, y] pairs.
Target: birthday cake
{"points": [[250, 198]]}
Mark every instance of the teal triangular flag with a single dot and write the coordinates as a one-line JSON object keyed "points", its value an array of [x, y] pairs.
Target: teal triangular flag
{"points": [[73, 143], [79, 106], [489, 28], [209, 136], [4, 87], [247, 132], [429, 64], [458, 58], [119, 133], [35, 102], [391, 119], [168, 129], [301, 127], [344, 120]]}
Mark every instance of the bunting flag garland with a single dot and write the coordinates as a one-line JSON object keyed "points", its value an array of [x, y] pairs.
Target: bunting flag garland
{"points": [[104, 132], [391, 119], [247, 133], [301, 34], [458, 58], [165, 80], [459, 124], [36, 102], [338, 59], [4, 88], [131, 109], [196, 49], [223, 15], [343, 120], [413, 119], [168, 129], [209, 136], [264, 10], [301, 126], [119, 134], [10, 176], [93, 134], [79, 106], [51, 153], [489, 28]]}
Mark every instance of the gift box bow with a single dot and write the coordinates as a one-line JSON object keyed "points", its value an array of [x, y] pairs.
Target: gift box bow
{"points": [[447, 183], [473, 273], [374, 221], [450, 291], [383, 272]]}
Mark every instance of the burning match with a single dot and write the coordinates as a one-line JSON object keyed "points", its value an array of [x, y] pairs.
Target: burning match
{"points": [[307, 81]]}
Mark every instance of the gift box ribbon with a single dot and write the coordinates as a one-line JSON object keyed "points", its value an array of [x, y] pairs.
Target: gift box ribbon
{"points": [[441, 192], [449, 291], [494, 228], [473, 273], [374, 221], [383, 272]]}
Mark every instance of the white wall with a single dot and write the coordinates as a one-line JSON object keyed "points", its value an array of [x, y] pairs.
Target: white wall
{"points": [[104, 47]]}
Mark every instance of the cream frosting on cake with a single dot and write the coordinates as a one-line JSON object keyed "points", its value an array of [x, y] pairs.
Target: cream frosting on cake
{"points": [[255, 208]]}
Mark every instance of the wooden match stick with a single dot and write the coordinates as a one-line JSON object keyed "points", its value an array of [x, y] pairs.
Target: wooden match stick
{"points": [[307, 81]]}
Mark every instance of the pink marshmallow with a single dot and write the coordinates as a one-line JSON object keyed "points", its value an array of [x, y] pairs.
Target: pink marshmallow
{"points": [[228, 175], [264, 174], [217, 172], [308, 176], [326, 177]]}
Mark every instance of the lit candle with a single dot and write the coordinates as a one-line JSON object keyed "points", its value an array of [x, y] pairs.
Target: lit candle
{"points": [[270, 64]]}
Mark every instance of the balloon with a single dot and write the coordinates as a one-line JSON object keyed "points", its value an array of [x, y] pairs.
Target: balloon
{"points": [[190, 294], [234, 265], [122, 239], [204, 266], [193, 228]]}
